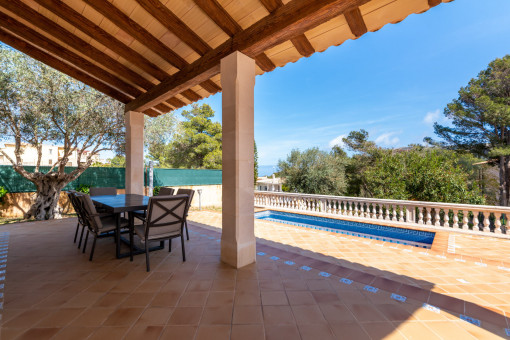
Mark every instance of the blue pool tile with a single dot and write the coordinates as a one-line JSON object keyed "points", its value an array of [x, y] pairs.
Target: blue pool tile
{"points": [[306, 268], [398, 297], [290, 263], [274, 258], [324, 274], [371, 289], [431, 308], [346, 281], [261, 253], [471, 320]]}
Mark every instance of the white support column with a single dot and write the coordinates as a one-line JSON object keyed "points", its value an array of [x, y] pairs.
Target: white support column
{"points": [[134, 153], [238, 236]]}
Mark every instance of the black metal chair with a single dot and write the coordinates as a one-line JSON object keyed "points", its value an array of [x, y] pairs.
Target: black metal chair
{"points": [[97, 223], [190, 193], [165, 221]]}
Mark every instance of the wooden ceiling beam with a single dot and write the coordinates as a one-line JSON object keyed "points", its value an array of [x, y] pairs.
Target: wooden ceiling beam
{"points": [[176, 102], [175, 25], [300, 42], [210, 86], [191, 95], [124, 22], [57, 64], [285, 23], [77, 20], [434, 3], [58, 51], [58, 32], [221, 17], [355, 21]]}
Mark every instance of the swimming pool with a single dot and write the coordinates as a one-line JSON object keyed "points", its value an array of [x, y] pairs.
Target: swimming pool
{"points": [[417, 238]]}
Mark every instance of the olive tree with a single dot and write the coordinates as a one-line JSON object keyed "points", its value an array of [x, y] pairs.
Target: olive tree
{"points": [[39, 105]]}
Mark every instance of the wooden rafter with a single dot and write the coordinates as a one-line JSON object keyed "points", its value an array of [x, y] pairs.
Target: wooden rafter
{"points": [[191, 95], [172, 22], [434, 3], [74, 18], [25, 12], [300, 42], [57, 64], [355, 21], [283, 24], [221, 17], [124, 22], [176, 102]]}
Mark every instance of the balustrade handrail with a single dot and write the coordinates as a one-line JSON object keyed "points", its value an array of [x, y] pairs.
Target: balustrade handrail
{"points": [[456, 206]]}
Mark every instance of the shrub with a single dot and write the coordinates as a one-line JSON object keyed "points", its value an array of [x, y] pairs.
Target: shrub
{"points": [[3, 192], [83, 188], [155, 191]]}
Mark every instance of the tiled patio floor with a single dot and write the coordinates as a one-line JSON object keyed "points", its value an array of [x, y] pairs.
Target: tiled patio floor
{"points": [[294, 291]]}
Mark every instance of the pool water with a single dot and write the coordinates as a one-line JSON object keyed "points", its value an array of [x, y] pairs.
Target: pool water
{"points": [[417, 238]]}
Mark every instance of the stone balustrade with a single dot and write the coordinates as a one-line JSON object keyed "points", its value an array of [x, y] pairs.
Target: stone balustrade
{"points": [[462, 217]]}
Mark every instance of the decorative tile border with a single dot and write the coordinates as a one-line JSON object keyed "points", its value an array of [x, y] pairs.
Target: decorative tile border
{"points": [[4, 248]]}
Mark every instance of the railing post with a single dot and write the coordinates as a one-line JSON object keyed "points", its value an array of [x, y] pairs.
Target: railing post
{"points": [[437, 217], [429, 216], [486, 221], [455, 219], [465, 219], [497, 223]]}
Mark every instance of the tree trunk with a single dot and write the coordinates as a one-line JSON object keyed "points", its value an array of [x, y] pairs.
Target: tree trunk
{"points": [[504, 180], [47, 196]]}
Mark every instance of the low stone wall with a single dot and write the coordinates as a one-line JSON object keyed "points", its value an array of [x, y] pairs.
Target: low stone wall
{"points": [[17, 204]]}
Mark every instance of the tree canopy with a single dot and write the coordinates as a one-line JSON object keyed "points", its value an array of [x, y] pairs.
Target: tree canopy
{"points": [[198, 143], [40, 105], [480, 119]]}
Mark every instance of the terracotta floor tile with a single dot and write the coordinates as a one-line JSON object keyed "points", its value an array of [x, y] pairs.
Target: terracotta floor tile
{"points": [[247, 299], [217, 299], [178, 332], [223, 285], [193, 299], [416, 330], [247, 315], [155, 316], [274, 298], [165, 299], [349, 330], [247, 332], [366, 312], [308, 315], [38, 333], [277, 315], [110, 333], [217, 316], [213, 332], [111, 300], [394, 312], [75, 333], [144, 332], [27, 318], [282, 332], [449, 330], [315, 331], [92, 317], [336, 313], [186, 316], [300, 298], [382, 330], [325, 297], [123, 317]]}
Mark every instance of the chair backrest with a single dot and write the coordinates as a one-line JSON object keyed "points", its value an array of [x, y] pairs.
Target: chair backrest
{"points": [[190, 193], [98, 191], [89, 213], [72, 196], [165, 216], [166, 191]]}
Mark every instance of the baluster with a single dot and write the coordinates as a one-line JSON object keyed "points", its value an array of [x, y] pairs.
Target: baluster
{"points": [[386, 212], [378, 215], [437, 217], [486, 222], [465, 219], [341, 211], [476, 221], [349, 211], [420, 215], [356, 209], [365, 209], [497, 223], [393, 213], [455, 219], [507, 224], [428, 216]]}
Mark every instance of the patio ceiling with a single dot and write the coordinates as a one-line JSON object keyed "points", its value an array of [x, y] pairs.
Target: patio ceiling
{"points": [[159, 55]]}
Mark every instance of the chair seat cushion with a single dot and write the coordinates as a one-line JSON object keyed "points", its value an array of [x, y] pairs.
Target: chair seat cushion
{"points": [[140, 231], [109, 223]]}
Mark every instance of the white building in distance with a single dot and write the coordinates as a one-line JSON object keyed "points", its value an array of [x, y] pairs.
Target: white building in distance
{"points": [[269, 183], [50, 155]]}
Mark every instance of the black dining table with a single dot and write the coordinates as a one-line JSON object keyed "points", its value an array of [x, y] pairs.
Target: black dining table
{"points": [[118, 204]]}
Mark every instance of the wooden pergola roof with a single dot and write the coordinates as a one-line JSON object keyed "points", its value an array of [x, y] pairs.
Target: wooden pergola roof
{"points": [[158, 55]]}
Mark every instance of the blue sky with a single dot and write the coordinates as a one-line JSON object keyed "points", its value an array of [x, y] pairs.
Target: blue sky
{"points": [[394, 83]]}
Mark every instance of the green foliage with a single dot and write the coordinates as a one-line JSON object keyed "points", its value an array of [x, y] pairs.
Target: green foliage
{"points": [[3, 192], [412, 173], [115, 162], [155, 190], [158, 133], [313, 172], [480, 120], [198, 144], [85, 188]]}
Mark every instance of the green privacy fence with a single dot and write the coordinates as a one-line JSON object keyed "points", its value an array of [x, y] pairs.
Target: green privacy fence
{"points": [[101, 177], [112, 177], [176, 177]]}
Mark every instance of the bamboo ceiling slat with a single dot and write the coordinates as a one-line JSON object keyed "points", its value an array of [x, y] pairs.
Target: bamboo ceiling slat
{"points": [[245, 12], [284, 53], [331, 33], [392, 12]]}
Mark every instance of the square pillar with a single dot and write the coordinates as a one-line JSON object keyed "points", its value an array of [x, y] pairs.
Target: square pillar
{"points": [[134, 152], [238, 236]]}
